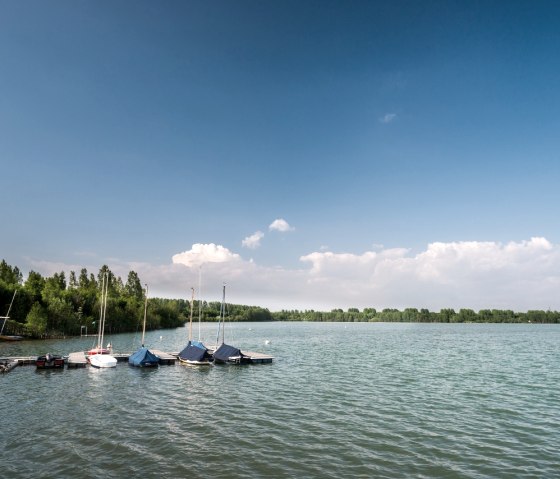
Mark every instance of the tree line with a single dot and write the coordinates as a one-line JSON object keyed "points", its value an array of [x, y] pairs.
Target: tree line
{"points": [[414, 315], [60, 306], [57, 306]]}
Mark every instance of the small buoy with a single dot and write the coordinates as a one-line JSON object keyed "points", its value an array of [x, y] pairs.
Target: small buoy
{"points": [[160, 338]]}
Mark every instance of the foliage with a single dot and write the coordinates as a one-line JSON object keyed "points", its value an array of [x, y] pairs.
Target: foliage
{"points": [[53, 306], [413, 315]]}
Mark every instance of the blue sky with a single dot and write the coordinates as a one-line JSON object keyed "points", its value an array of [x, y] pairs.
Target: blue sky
{"points": [[410, 147]]}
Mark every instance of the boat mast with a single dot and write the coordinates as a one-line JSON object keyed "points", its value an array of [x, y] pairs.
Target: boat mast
{"points": [[105, 309], [199, 299], [222, 318], [223, 312], [8, 313], [100, 326], [190, 321], [145, 311]]}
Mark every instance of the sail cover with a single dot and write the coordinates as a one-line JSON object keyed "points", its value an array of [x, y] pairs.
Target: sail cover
{"points": [[143, 357], [195, 351], [224, 352]]}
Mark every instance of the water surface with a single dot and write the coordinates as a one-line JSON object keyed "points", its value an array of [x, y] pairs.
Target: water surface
{"points": [[340, 400]]}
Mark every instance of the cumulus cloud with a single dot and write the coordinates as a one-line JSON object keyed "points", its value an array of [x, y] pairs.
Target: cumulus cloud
{"points": [[280, 225], [517, 275], [388, 118], [200, 254], [253, 241]]}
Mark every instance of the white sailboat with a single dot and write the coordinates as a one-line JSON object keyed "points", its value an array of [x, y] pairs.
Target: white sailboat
{"points": [[100, 357]]}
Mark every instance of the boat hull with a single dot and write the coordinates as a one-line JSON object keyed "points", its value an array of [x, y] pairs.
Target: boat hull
{"points": [[94, 351], [189, 362], [238, 360], [10, 338], [145, 364], [102, 361]]}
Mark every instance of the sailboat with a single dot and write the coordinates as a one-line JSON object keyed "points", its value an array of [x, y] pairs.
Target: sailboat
{"points": [[100, 357], [226, 354], [144, 358], [7, 337], [195, 353]]}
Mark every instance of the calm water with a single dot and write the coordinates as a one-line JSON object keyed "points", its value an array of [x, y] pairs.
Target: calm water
{"points": [[340, 400]]}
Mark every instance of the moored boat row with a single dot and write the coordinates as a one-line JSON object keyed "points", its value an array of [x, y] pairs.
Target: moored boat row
{"points": [[78, 360], [197, 354]]}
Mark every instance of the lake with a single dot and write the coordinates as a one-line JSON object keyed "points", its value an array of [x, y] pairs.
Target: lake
{"points": [[381, 400]]}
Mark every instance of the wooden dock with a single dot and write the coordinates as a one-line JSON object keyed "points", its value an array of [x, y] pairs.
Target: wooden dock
{"points": [[77, 360], [258, 358], [165, 358], [255, 358], [6, 365]]}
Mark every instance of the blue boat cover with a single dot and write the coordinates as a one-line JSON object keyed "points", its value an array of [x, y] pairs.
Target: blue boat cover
{"points": [[224, 352], [194, 351], [143, 357]]}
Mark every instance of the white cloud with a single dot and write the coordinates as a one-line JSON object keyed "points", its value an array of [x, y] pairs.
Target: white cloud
{"points": [[470, 274], [201, 254], [280, 225], [466, 274], [253, 241], [388, 118]]}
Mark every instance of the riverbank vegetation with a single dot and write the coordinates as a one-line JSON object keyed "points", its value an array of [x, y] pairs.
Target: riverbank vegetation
{"points": [[413, 315], [59, 306]]}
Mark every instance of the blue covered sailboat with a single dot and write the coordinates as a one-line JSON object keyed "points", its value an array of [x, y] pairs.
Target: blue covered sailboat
{"points": [[195, 353], [144, 358], [226, 354]]}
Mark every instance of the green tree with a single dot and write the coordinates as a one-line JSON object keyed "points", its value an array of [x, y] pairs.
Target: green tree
{"points": [[61, 316], [485, 316], [34, 286], [447, 315], [466, 316], [83, 281], [10, 275], [133, 286], [410, 315], [37, 319], [72, 282]]}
